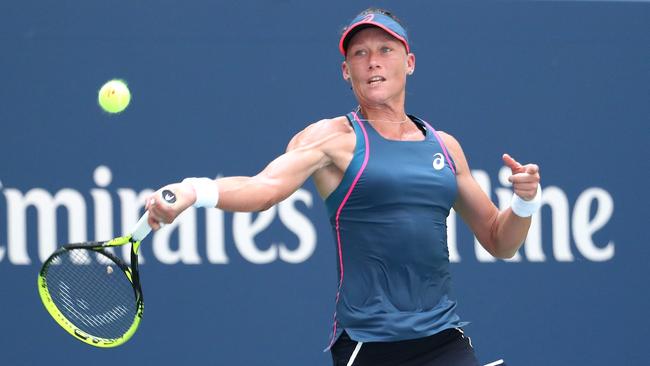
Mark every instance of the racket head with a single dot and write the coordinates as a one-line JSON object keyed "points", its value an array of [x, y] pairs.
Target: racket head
{"points": [[93, 294]]}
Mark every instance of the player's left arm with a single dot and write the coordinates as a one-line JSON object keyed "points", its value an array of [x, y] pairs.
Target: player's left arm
{"points": [[500, 232]]}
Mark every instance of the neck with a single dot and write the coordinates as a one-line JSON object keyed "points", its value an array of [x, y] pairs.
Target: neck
{"points": [[384, 115]]}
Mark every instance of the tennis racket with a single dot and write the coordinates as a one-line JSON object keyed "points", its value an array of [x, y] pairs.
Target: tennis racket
{"points": [[93, 294]]}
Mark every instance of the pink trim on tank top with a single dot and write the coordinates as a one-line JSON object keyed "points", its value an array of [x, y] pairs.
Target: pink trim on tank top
{"points": [[338, 214]]}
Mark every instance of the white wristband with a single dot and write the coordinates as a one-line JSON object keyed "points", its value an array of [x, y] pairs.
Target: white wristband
{"points": [[207, 192], [523, 208]]}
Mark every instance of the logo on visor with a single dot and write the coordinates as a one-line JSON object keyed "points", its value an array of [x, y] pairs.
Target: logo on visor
{"points": [[438, 161], [368, 18]]}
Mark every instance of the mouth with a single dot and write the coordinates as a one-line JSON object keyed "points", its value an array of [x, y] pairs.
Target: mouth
{"points": [[376, 80]]}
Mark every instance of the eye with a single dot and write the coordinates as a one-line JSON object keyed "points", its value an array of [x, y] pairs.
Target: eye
{"points": [[386, 49], [360, 52]]}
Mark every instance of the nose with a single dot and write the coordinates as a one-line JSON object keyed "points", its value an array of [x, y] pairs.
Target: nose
{"points": [[373, 61]]}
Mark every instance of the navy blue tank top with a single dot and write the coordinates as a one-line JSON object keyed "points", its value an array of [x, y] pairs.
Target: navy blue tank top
{"points": [[389, 216]]}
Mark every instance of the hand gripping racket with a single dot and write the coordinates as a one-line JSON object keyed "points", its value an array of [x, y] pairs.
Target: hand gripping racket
{"points": [[92, 293]]}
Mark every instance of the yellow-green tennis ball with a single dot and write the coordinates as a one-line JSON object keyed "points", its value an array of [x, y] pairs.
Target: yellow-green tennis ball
{"points": [[114, 96]]}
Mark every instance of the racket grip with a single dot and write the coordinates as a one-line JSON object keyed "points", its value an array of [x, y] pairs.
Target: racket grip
{"points": [[142, 228]]}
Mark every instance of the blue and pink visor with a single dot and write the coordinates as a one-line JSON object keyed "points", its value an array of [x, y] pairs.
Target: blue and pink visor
{"points": [[374, 19]]}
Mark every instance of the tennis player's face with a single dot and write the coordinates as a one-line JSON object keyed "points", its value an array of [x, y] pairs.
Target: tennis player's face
{"points": [[376, 65]]}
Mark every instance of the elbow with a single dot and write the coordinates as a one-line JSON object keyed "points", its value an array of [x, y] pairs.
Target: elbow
{"points": [[263, 202], [271, 198], [501, 251], [263, 196], [265, 205], [504, 254]]}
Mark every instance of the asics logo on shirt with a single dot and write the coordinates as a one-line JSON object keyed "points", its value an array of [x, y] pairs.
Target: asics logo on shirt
{"points": [[438, 161]]}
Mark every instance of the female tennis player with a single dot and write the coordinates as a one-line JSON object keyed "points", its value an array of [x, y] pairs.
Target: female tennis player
{"points": [[388, 180]]}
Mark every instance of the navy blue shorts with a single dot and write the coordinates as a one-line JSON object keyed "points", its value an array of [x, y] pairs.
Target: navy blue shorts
{"points": [[447, 348]]}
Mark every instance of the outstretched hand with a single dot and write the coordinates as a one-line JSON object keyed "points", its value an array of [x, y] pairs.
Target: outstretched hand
{"points": [[524, 178]]}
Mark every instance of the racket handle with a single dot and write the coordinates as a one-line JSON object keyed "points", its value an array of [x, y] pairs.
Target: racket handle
{"points": [[142, 228]]}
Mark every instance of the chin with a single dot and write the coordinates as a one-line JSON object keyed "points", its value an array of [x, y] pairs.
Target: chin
{"points": [[377, 98]]}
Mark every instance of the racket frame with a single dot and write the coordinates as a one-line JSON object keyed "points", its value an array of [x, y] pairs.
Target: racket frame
{"points": [[131, 273]]}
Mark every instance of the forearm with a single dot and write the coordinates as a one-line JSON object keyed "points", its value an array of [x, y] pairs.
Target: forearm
{"points": [[245, 194], [508, 233]]}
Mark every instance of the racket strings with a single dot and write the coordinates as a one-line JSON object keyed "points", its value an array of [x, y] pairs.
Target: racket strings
{"points": [[96, 297]]}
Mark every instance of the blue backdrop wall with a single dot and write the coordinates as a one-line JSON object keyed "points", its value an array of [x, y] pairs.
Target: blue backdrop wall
{"points": [[220, 87]]}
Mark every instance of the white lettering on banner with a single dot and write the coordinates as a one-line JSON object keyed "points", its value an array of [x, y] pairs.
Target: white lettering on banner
{"points": [[215, 237], [103, 205], [187, 251], [557, 201], [244, 231], [454, 256], [583, 229], [593, 209], [299, 225], [46, 207], [2, 247]]}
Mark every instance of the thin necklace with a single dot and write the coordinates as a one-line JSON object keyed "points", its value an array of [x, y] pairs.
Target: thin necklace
{"points": [[386, 121], [358, 110]]}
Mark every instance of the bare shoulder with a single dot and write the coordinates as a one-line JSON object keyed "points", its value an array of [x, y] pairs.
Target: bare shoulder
{"points": [[333, 141], [455, 150], [322, 134], [449, 140]]}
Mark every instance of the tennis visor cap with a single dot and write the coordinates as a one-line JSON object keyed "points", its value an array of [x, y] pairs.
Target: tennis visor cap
{"points": [[382, 21]]}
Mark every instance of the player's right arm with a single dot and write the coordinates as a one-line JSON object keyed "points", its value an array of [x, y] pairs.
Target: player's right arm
{"points": [[307, 152]]}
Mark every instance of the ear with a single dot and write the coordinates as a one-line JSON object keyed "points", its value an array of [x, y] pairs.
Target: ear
{"points": [[410, 64], [345, 71]]}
